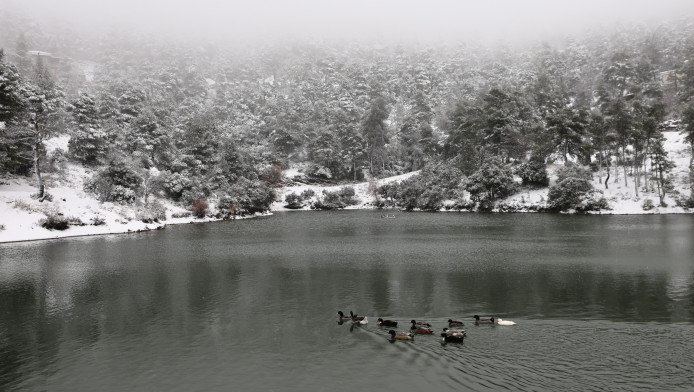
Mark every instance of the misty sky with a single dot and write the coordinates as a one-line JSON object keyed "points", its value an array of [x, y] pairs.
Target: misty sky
{"points": [[388, 20]]}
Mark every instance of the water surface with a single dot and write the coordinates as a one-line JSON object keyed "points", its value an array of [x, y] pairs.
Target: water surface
{"points": [[601, 302]]}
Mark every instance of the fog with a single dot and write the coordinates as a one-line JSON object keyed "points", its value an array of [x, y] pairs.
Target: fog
{"points": [[321, 20]]}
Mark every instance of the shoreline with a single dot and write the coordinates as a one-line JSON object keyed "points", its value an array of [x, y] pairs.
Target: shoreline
{"points": [[183, 221], [146, 229]]}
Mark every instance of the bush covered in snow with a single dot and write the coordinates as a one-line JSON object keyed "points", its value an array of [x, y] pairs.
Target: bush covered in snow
{"points": [[116, 182], [647, 205], [425, 191], [293, 201], [533, 173], [54, 221], [341, 198], [492, 181], [245, 197], [568, 193], [153, 212]]}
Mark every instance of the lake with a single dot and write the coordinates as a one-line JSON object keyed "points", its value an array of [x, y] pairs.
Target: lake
{"points": [[600, 302]]}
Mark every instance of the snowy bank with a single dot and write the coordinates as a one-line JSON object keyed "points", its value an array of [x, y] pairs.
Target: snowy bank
{"points": [[20, 214]]}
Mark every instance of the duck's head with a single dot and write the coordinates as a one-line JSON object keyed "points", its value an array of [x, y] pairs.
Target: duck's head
{"points": [[476, 317], [380, 320], [391, 332], [450, 320], [340, 313], [413, 322], [445, 329]]}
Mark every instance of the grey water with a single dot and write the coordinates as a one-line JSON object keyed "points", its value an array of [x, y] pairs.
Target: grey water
{"points": [[600, 302]]}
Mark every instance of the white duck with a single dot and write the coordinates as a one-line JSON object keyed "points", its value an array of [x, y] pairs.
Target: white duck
{"points": [[504, 322]]}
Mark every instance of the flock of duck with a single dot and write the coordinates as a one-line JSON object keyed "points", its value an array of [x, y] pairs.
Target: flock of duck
{"points": [[450, 334]]}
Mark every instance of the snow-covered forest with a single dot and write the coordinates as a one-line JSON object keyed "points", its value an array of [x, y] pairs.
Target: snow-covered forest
{"points": [[146, 122]]}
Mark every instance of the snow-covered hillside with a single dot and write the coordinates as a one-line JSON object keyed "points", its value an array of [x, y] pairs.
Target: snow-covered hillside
{"points": [[623, 199], [20, 213]]}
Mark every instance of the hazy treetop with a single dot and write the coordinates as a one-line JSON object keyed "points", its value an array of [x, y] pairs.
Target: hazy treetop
{"points": [[385, 20]]}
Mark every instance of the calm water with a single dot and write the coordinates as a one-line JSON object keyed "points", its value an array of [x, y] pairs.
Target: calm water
{"points": [[602, 303]]}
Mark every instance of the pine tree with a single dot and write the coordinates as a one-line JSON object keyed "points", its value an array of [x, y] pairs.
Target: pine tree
{"points": [[88, 142], [375, 133], [13, 92], [15, 134]]}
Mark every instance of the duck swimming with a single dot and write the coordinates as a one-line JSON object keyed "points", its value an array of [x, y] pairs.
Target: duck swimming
{"points": [[452, 338], [354, 317], [419, 330], [454, 323], [401, 335], [342, 316], [420, 324], [505, 322], [454, 331], [387, 323], [479, 320]]}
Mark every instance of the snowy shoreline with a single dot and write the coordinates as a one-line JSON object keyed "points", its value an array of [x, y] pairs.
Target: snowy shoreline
{"points": [[20, 214], [37, 233]]}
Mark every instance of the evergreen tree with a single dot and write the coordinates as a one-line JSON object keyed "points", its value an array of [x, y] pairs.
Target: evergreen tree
{"points": [[567, 126], [15, 134], [88, 142], [620, 121], [661, 167], [375, 133], [13, 92]]}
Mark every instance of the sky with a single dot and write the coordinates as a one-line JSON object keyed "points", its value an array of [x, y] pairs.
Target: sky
{"points": [[385, 20]]}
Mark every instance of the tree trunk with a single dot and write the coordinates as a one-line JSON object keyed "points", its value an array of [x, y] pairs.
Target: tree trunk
{"points": [[637, 174], [600, 167], [624, 165], [691, 172], [645, 170], [661, 187], [616, 168], [37, 160]]}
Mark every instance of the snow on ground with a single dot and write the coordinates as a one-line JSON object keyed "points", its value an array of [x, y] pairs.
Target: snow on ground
{"points": [[622, 198], [20, 214], [366, 200]]}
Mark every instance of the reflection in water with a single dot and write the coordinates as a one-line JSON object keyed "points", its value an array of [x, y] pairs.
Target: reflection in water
{"points": [[203, 307]]}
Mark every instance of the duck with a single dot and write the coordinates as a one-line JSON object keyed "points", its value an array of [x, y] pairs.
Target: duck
{"points": [[420, 324], [360, 320], [420, 330], [401, 335], [387, 323], [343, 317], [448, 331], [479, 320], [452, 338], [505, 322], [354, 317], [454, 323]]}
